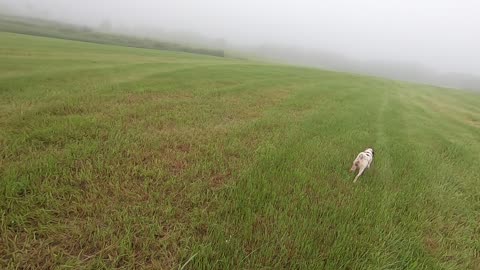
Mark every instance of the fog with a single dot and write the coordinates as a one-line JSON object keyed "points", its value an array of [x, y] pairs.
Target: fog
{"points": [[428, 36]]}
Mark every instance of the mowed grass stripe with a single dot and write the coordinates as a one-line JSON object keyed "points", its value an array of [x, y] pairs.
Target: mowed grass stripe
{"points": [[150, 159]]}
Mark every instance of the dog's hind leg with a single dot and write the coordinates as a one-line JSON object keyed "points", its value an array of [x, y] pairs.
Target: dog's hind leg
{"points": [[354, 166], [360, 172]]}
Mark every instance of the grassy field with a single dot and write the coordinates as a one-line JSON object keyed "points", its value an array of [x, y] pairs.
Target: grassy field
{"points": [[115, 157]]}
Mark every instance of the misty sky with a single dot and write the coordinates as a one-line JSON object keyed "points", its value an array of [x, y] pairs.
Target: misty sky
{"points": [[440, 34]]}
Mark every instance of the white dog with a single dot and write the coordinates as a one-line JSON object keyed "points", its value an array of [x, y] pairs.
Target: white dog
{"points": [[362, 162]]}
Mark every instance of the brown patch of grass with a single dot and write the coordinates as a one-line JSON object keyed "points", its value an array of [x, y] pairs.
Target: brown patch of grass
{"points": [[217, 180], [178, 166], [473, 122], [185, 148], [431, 245]]}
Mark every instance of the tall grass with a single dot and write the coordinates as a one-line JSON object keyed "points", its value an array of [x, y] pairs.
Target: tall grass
{"points": [[114, 157]]}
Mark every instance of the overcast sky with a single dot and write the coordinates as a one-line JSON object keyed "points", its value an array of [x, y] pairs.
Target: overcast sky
{"points": [[440, 34]]}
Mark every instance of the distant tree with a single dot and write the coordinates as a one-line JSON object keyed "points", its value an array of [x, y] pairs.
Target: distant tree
{"points": [[106, 25], [220, 43], [85, 29]]}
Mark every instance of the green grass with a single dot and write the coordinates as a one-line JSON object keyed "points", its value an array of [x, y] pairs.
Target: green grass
{"points": [[114, 157], [46, 28]]}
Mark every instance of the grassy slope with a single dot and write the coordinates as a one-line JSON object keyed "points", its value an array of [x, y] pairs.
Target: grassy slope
{"points": [[121, 157], [46, 28]]}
